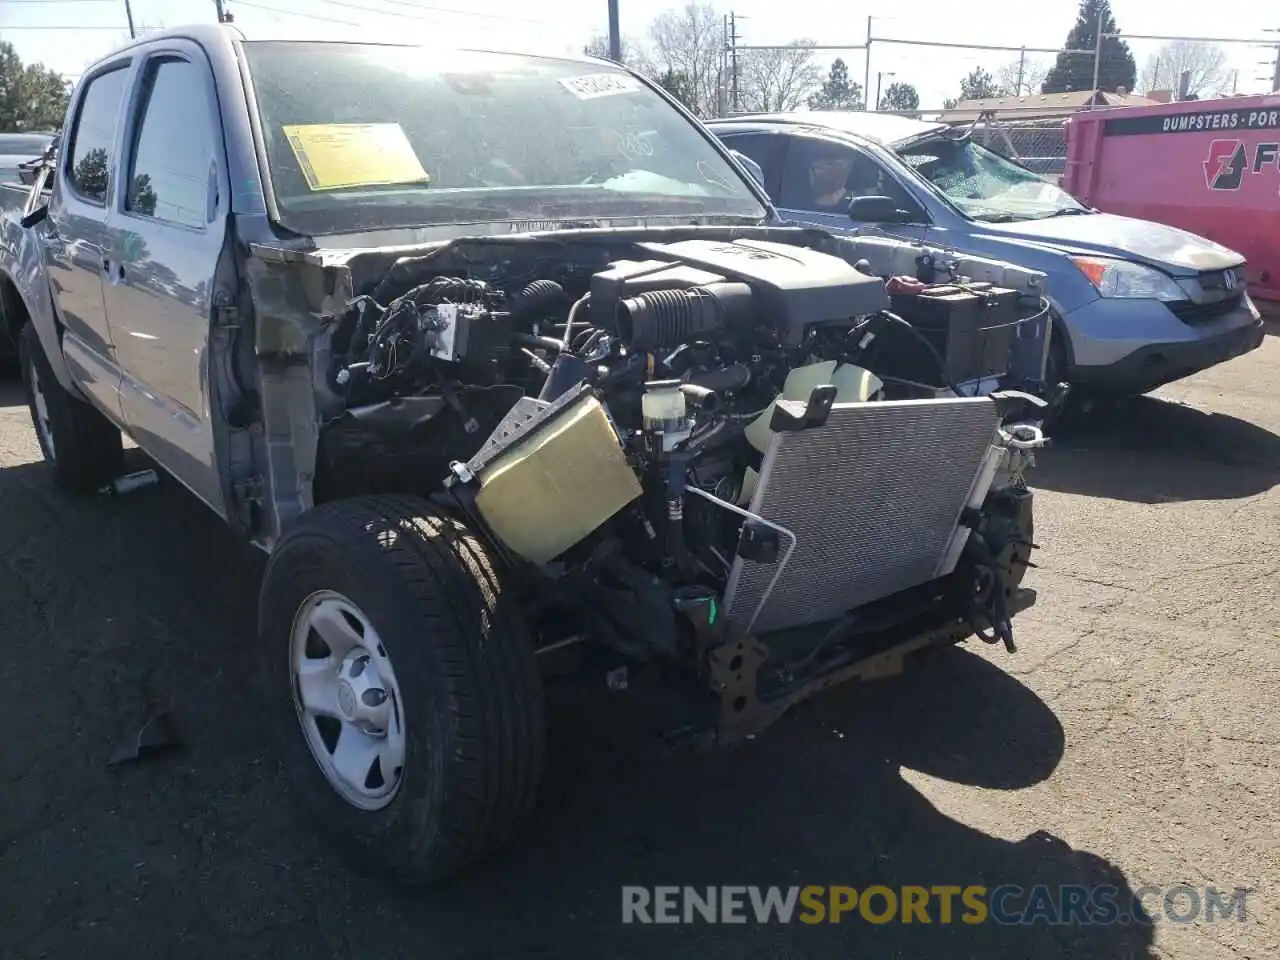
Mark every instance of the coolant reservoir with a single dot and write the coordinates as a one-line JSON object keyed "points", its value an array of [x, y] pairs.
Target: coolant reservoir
{"points": [[664, 412], [853, 385], [558, 485]]}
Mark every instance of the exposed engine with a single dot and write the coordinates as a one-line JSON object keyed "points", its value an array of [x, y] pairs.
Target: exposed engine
{"points": [[635, 424]]}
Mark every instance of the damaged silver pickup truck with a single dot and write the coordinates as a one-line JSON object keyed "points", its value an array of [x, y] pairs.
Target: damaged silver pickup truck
{"points": [[499, 355]]}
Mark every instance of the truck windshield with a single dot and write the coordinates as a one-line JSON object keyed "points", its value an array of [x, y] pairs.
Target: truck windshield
{"points": [[984, 185], [361, 136]]}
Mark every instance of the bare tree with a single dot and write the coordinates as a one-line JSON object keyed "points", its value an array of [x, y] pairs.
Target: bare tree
{"points": [[1019, 78], [1206, 62], [772, 81], [634, 55], [689, 42]]}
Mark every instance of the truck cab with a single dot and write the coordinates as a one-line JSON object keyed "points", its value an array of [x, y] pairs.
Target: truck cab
{"points": [[134, 241], [497, 355]]}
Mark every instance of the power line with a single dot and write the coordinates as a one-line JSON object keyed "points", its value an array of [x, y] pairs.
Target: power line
{"points": [[1148, 36], [60, 26], [448, 11], [413, 4], [294, 13]]}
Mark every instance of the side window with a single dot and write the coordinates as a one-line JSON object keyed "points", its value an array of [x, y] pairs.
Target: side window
{"points": [[170, 173], [93, 140], [764, 148], [822, 177]]}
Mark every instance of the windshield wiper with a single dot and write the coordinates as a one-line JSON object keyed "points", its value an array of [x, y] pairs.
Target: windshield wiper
{"points": [[1067, 212]]}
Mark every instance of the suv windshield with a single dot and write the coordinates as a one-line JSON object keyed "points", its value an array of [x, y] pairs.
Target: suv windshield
{"points": [[360, 136], [984, 185]]}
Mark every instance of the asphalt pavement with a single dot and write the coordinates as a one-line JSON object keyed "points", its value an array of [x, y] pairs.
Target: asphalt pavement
{"points": [[1131, 741]]}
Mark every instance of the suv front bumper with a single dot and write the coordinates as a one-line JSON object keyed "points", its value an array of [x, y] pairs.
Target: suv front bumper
{"points": [[1136, 347]]}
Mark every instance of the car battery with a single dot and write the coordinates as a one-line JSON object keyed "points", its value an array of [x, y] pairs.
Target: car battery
{"points": [[972, 326]]}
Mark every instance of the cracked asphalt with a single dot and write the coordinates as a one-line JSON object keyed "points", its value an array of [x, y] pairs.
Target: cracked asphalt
{"points": [[1131, 741]]}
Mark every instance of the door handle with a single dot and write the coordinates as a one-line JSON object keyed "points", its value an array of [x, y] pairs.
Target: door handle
{"points": [[55, 247]]}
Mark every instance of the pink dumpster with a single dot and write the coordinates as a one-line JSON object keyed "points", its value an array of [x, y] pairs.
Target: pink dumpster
{"points": [[1211, 167]]}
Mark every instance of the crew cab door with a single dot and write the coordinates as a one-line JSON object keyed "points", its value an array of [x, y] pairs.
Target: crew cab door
{"points": [[74, 235], [809, 179], [166, 230]]}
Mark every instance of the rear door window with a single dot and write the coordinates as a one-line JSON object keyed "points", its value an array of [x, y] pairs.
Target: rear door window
{"points": [[92, 151], [170, 177]]}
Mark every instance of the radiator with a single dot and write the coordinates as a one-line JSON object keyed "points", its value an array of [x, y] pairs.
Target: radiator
{"points": [[873, 498]]}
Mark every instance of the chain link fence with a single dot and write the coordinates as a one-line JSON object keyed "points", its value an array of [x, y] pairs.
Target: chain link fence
{"points": [[1033, 137], [1039, 145]]}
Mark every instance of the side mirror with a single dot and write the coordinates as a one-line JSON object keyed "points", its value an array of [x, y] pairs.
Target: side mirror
{"points": [[875, 210], [753, 168], [35, 216], [37, 206]]}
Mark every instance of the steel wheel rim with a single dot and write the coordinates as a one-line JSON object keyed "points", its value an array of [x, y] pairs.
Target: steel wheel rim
{"points": [[43, 428], [347, 700]]}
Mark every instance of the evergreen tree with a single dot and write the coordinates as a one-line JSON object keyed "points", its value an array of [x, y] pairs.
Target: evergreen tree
{"points": [[676, 83], [32, 97], [1074, 71], [837, 92], [979, 85], [901, 97]]}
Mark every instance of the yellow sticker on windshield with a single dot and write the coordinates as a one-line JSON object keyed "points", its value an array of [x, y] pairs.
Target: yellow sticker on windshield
{"points": [[336, 155]]}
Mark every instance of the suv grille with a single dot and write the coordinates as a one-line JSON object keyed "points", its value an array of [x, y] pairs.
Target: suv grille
{"points": [[1189, 312]]}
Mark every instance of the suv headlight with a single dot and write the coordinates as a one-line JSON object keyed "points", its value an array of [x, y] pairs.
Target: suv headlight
{"points": [[1130, 281]]}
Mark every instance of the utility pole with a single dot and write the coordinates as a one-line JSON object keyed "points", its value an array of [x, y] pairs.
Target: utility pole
{"points": [[128, 12], [1275, 75], [880, 75], [1022, 64], [733, 61], [722, 89], [223, 16], [866, 73], [1097, 59], [615, 37]]}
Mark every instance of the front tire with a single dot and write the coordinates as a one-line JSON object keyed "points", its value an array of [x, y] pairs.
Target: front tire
{"points": [[83, 447], [385, 621]]}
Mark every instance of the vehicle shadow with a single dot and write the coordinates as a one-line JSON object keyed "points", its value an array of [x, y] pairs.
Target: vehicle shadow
{"points": [[116, 602], [1150, 450], [11, 386], [1270, 317]]}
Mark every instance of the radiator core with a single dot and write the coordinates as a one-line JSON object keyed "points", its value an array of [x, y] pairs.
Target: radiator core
{"points": [[873, 497]]}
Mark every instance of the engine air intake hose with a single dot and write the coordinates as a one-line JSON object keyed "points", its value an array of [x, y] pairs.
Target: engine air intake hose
{"points": [[540, 294], [668, 318]]}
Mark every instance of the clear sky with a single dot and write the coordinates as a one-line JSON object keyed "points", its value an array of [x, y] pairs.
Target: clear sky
{"points": [[74, 32]]}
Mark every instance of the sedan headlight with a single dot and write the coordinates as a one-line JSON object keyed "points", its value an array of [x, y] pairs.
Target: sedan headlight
{"points": [[1129, 281]]}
